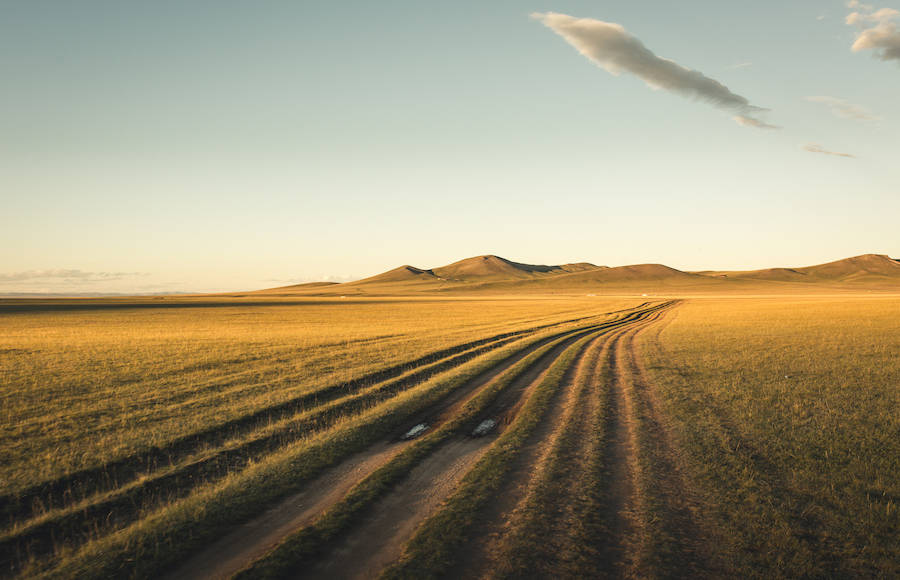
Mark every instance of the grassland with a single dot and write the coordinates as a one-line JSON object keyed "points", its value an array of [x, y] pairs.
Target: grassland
{"points": [[111, 415], [786, 413], [82, 388], [271, 437]]}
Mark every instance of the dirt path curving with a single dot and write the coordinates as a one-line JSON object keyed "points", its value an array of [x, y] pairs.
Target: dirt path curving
{"points": [[250, 541], [616, 545], [546, 478], [377, 541], [478, 557], [677, 533], [380, 540]]}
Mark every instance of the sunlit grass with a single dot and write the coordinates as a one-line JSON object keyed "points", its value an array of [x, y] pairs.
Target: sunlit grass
{"points": [[787, 411], [81, 388]]}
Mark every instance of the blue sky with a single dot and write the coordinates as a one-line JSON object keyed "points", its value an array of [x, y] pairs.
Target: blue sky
{"points": [[237, 145]]}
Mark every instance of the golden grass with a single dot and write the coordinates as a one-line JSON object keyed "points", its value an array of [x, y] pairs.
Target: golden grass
{"points": [[787, 413], [780, 412], [84, 387], [144, 399]]}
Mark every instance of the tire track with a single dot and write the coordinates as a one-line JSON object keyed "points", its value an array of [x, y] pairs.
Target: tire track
{"points": [[435, 417], [483, 518], [491, 551], [125, 504], [506, 550], [85, 522], [444, 409], [687, 533], [381, 538], [553, 530], [621, 504], [76, 486], [666, 532]]}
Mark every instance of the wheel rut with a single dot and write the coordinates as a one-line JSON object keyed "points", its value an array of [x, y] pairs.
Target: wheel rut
{"points": [[617, 543], [380, 540], [617, 548], [546, 507], [233, 551], [676, 534], [76, 486], [250, 541], [377, 539]]}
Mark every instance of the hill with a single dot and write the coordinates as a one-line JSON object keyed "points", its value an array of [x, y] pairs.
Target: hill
{"points": [[480, 268], [494, 274], [857, 268], [401, 274], [877, 269]]}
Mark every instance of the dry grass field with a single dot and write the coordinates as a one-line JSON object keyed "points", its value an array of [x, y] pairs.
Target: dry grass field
{"points": [[115, 417], [464, 436], [787, 415], [84, 387]]}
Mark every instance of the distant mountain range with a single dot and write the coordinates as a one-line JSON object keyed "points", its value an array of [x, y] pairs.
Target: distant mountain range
{"points": [[493, 273]]}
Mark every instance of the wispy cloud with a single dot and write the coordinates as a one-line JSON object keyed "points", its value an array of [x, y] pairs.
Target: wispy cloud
{"points": [[740, 65], [816, 148], [875, 30], [614, 49], [842, 108], [68, 276], [751, 122], [339, 278]]}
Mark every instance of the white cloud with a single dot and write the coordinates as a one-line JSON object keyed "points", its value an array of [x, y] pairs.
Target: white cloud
{"points": [[842, 108], [741, 65], [876, 30], [339, 278], [69, 276], [816, 148], [614, 49]]}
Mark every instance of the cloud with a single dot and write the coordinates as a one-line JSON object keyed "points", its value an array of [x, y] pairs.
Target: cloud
{"points": [[842, 108], [875, 30], [741, 65], [339, 278], [610, 46], [69, 276], [751, 122], [815, 148]]}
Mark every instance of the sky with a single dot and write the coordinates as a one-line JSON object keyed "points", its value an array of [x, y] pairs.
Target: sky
{"points": [[222, 145]]}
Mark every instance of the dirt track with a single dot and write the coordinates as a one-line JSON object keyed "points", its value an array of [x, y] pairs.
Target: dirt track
{"points": [[602, 390], [231, 553]]}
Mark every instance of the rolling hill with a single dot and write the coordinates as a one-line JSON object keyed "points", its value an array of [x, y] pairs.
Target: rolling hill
{"points": [[480, 269], [404, 273], [494, 274], [497, 268], [874, 269]]}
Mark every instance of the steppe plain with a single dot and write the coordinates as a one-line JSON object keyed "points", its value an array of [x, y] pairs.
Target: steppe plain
{"points": [[482, 419]]}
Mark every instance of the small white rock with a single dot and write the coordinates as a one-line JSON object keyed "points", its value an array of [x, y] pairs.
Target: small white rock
{"points": [[415, 431], [484, 428]]}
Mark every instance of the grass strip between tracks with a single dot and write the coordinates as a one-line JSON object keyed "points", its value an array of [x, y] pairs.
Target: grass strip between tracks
{"points": [[165, 536], [431, 550], [305, 544]]}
